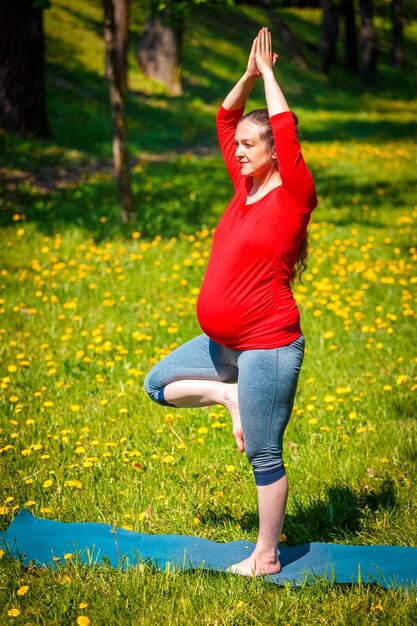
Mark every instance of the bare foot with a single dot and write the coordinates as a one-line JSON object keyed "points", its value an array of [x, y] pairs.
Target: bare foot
{"points": [[232, 405], [256, 566]]}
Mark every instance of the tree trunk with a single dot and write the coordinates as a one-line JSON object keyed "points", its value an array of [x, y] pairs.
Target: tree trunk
{"points": [[22, 70], [351, 40], [397, 33], [329, 32], [159, 53], [120, 151], [121, 14], [286, 38], [368, 43]]}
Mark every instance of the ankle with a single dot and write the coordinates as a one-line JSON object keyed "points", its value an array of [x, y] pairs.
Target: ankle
{"points": [[265, 556], [230, 396]]}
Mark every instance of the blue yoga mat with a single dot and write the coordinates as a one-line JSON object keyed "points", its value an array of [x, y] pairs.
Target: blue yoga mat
{"points": [[36, 540]]}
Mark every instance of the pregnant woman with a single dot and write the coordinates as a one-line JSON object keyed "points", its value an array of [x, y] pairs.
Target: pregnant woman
{"points": [[250, 355]]}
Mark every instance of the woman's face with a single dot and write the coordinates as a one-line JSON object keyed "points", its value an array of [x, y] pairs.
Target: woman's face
{"points": [[252, 153]]}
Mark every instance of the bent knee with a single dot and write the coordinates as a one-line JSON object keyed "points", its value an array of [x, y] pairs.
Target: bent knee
{"points": [[267, 465], [155, 387]]}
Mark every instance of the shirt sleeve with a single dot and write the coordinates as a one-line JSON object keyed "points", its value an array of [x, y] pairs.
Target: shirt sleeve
{"points": [[227, 122], [296, 178]]}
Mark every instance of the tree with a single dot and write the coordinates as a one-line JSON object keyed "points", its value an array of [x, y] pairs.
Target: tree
{"points": [[329, 32], [121, 16], [120, 150], [351, 40], [22, 69], [397, 33], [160, 47], [368, 43]]}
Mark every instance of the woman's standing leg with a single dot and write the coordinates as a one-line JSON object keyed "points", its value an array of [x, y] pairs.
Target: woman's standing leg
{"points": [[198, 373], [267, 385]]}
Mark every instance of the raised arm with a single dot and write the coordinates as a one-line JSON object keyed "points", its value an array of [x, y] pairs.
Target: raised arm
{"points": [[296, 177], [264, 58], [230, 113]]}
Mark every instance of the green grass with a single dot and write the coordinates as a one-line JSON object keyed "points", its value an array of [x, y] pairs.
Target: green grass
{"points": [[87, 305]]}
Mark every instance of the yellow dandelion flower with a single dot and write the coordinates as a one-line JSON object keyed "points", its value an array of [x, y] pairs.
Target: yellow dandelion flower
{"points": [[402, 379], [22, 590], [202, 430], [74, 408], [326, 429], [83, 620], [13, 612], [343, 389], [1, 554], [30, 503], [387, 388], [196, 521], [168, 459], [76, 484], [83, 605], [12, 368], [313, 420], [4, 510], [48, 483], [230, 468], [68, 556]]}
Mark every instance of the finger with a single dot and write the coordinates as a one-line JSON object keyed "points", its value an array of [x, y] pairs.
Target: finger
{"points": [[263, 43], [269, 42]]}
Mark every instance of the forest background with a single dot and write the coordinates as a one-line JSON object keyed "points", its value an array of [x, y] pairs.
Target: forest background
{"points": [[111, 184]]}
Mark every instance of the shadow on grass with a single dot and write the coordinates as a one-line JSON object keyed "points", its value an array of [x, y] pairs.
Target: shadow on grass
{"points": [[339, 515], [181, 195], [336, 517], [173, 195]]}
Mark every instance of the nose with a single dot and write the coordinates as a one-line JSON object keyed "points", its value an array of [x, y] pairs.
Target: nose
{"points": [[238, 150]]}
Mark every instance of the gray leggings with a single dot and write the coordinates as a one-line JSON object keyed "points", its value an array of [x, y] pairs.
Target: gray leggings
{"points": [[267, 382]]}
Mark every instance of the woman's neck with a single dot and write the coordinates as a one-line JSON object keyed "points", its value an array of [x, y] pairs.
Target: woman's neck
{"points": [[264, 183]]}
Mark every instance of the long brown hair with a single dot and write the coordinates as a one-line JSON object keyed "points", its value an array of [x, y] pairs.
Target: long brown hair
{"points": [[301, 263], [260, 117]]}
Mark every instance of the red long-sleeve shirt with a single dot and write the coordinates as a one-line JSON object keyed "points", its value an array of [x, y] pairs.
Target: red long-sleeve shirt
{"points": [[245, 301]]}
